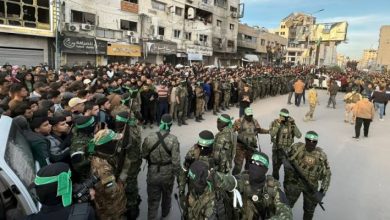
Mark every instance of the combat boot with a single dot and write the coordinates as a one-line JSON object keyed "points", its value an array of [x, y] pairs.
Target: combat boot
{"points": [[201, 118], [179, 122], [223, 108], [184, 122], [197, 119]]}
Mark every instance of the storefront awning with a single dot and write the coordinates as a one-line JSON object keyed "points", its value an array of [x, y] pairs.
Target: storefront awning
{"points": [[252, 58]]}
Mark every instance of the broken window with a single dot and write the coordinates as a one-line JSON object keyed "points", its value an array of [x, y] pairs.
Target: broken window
{"points": [[26, 13], [83, 17], [161, 31], [230, 44], [128, 25]]}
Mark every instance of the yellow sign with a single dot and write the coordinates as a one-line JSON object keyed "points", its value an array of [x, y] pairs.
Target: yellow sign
{"points": [[124, 50], [329, 32]]}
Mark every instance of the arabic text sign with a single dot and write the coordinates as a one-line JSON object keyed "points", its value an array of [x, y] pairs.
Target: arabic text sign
{"points": [[161, 48], [124, 50], [205, 51], [83, 45]]}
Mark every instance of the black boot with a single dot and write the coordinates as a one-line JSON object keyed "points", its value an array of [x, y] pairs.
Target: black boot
{"points": [[179, 122], [197, 119], [184, 122], [201, 118]]}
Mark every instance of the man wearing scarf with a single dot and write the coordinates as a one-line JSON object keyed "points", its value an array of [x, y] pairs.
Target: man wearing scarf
{"points": [[225, 143]]}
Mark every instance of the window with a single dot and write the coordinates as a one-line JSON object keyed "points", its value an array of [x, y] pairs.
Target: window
{"points": [[128, 25], [291, 53], [220, 3], [219, 23], [230, 44], [158, 5], [176, 33], [205, 1], [178, 11], [161, 30], [203, 38], [233, 9], [231, 26], [282, 33], [262, 42], [132, 1], [283, 26], [83, 17], [188, 35]]}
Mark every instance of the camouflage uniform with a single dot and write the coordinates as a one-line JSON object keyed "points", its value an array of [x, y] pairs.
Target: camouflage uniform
{"points": [[255, 87], [265, 202], [282, 137], [224, 149], [246, 140], [79, 143], [227, 87], [314, 166], [110, 200], [199, 102], [182, 94], [163, 166], [217, 96]]}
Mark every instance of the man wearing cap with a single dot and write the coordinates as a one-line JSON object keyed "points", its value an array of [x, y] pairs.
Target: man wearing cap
{"points": [[110, 199], [225, 143], [162, 152], [262, 194], [53, 187], [247, 128], [77, 107], [312, 162], [282, 131]]}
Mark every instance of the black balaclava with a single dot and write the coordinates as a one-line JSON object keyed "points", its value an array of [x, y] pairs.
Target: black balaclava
{"points": [[81, 123], [256, 174], [47, 194], [198, 174], [284, 115], [222, 121], [311, 140], [205, 142]]}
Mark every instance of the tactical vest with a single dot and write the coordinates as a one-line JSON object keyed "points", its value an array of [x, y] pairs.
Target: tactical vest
{"points": [[247, 133], [199, 208], [310, 163], [285, 136], [259, 202]]}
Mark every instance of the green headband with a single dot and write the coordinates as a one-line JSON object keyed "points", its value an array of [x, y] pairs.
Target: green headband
{"points": [[126, 99], [260, 158], [165, 126], [204, 142], [86, 124], [130, 121], [226, 120], [248, 111], [284, 114], [64, 185], [109, 137], [311, 137], [130, 89]]}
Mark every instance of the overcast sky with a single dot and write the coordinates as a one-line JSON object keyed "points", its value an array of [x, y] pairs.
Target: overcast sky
{"points": [[365, 17]]}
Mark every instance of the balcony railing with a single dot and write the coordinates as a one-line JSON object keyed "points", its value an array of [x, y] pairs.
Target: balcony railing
{"points": [[246, 44]]}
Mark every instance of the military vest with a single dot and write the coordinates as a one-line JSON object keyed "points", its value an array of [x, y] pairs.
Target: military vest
{"points": [[285, 135], [247, 133]]}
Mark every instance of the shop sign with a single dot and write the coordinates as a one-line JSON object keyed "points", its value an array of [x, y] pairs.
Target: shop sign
{"points": [[83, 45], [123, 50], [160, 48], [205, 51]]}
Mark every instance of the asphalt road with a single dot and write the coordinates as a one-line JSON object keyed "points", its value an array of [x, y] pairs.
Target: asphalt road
{"points": [[360, 181]]}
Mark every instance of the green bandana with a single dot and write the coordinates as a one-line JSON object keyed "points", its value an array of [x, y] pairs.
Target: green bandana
{"points": [[165, 126], [261, 159], [86, 124], [109, 137], [226, 120], [311, 137], [130, 121], [248, 111], [204, 142], [64, 185], [191, 175], [284, 114], [125, 100]]}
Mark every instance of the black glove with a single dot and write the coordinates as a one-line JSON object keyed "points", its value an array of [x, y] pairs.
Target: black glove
{"points": [[319, 196]]}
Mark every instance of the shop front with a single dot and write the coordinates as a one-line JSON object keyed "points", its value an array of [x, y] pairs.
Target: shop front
{"points": [[199, 54], [80, 51], [123, 53]]}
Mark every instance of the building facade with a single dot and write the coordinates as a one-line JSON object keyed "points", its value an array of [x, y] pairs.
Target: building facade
{"points": [[383, 59], [27, 31], [368, 60]]}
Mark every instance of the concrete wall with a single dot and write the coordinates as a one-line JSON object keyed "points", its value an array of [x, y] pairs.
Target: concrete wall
{"points": [[384, 46]]}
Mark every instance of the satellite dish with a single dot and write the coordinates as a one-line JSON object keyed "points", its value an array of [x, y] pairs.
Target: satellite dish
{"points": [[191, 13]]}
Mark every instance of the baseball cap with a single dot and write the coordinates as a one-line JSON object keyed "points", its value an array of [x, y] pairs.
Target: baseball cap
{"points": [[75, 101]]}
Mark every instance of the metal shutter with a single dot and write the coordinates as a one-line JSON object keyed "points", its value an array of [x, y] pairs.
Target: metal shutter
{"points": [[18, 56]]}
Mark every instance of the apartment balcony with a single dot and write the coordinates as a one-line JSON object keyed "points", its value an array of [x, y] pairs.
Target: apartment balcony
{"points": [[246, 44], [129, 7]]}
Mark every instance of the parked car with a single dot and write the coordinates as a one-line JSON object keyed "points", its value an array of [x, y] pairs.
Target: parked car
{"points": [[17, 173]]}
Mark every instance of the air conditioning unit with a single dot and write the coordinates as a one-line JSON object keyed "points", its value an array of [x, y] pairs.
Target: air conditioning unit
{"points": [[86, 27], [129, 33], [234, 14], [73, 27], [160, 37], [134, 40]]}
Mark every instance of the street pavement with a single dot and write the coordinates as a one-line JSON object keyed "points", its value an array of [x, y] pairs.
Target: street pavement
{"points": [[360, 180]]}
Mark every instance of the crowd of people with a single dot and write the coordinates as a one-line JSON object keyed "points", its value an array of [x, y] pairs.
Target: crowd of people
{"points": [[85, 124]]}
